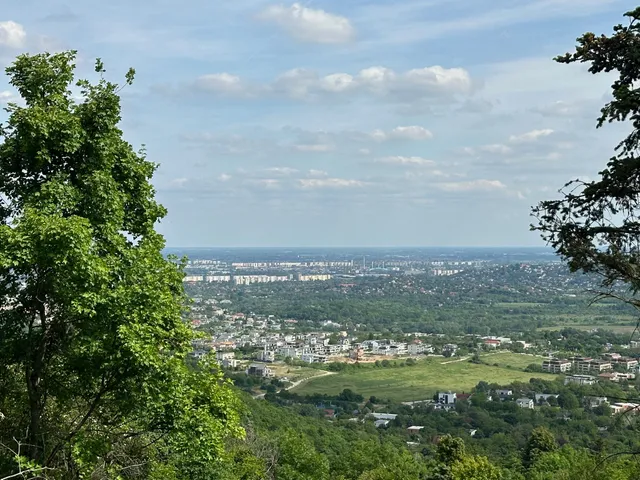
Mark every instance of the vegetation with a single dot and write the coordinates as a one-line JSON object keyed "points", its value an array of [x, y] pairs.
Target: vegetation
{"points": [[421, 381], [595, 225], [93, 377], [94, 374]]}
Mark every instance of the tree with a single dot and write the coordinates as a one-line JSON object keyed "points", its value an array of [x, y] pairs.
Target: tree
{"points": [[298, 459], [595, 225], [568, 401], [541, 441], [92, 339]]}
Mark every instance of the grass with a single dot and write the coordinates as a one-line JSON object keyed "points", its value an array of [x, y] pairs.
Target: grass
{"points": [[615, 328], [512, 360], [424, 379]]}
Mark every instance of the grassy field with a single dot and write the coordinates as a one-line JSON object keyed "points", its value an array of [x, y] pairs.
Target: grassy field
{"points": [[512, 360], [616, 328], [421, 381]]}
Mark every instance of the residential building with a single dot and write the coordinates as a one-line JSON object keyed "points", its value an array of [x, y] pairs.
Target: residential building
{"points": [[314, 358], [267, 356], [451, 348], [384, 416], [491, 342], [504, 393], [627, 363], [259, 370], [525, 403], [447, 398], [556, 365], [544, 397], [580, 379]]}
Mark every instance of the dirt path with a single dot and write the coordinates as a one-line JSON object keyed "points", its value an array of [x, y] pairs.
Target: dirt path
{"points": [[462, 359], [298, 382]]}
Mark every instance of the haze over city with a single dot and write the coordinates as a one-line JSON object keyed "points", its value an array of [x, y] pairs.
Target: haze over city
{"points": [[420, 122]]}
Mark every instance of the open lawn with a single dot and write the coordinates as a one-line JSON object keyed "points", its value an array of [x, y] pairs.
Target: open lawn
{"points": [[422, 380], [612, 327], [515, 361]]}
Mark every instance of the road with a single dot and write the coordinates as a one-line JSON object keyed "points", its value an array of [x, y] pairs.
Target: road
{"points": [[298, 382]]}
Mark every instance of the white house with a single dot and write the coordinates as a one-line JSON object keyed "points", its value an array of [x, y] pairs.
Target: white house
{"points": [[447, 398], [580, 379], [525, 403]]}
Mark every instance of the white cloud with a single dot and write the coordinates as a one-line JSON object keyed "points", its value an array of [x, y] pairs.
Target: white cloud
{"points": [[285, 171], [413, 132], [223, 84], [269, 183], [318, 147], [364, 151], [408, 161], [496, 148], [410, 26], [313, 183], [12, 34], [6, 97], [305, 84], [531, 136], [481, 185], [317, 173], [224, 177], [310, 25]]}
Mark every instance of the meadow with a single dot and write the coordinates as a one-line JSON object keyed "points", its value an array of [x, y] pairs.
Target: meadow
{"points": [[421, 381]]}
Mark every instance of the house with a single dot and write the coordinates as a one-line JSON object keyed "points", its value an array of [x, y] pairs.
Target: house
{"points": [[593, 402], [266, 356], [384, 416], [544, 397], [417, 347], [504, 393], [313, 358], [580, 379], [447, 398], [556, 365], [491, 342], [414, 429], [381, 423], [611, 376], [230, 363], [451, 348], [525, 403], [259, 370]]}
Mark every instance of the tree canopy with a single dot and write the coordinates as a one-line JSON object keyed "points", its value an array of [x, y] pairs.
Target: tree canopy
{"points": [[595, 225], [92, 337]]}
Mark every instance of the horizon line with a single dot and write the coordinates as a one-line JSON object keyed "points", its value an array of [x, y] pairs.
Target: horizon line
{"points": [[361, 246]]}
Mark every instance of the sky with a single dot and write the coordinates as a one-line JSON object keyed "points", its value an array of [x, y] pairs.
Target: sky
{"points": [[343, 123]]}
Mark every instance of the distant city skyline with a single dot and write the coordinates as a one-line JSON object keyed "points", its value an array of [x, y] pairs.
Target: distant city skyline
{"points": [[369, 122]]}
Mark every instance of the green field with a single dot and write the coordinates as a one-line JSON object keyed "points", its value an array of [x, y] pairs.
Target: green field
{"points": [[421, 381], [612, 327]]}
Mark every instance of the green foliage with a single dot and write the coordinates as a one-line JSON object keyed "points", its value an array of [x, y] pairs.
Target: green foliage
{"points": [[298, 460], [541, 441], [595, 225], [92, 340]]}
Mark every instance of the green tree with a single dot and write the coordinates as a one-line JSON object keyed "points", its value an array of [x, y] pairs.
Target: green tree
{"points": [[595, 225], [92, 340], [298, 459], [474, 468], [568, 401], [540, 441]]}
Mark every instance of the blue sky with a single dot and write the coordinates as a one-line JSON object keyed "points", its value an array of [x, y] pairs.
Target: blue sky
{"points": [[331, 123]]}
